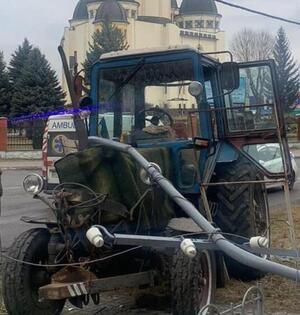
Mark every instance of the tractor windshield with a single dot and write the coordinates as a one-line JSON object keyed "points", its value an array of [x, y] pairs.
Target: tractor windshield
{"points": [[146, 101]]}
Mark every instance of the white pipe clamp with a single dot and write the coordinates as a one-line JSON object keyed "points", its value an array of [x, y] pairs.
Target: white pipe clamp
{"points": [[259, 242], [95, 237], [188, 248]]}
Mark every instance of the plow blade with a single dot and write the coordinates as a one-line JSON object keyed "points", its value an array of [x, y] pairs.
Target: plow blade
{"points": [[89, 284]]}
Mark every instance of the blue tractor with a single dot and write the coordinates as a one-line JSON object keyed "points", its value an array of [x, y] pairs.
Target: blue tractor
{"points": [[200, 123]]}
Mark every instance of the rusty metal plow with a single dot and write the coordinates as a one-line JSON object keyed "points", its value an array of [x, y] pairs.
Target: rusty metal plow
{"points": [[72, 282], [253, 298]]}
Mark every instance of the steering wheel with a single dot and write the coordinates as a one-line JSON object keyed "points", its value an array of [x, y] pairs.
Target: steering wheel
{"points": [[156, 116]]}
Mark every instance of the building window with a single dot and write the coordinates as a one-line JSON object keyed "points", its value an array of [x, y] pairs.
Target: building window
{"points": [[92, 14], [217, 24], [180, 24], [127, 13], [210, 24], [188, 24], [72, 63], [199, 23], [133, 14]]}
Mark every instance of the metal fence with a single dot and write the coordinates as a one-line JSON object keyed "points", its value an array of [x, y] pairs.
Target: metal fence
{"points": [[252, 304], [25, 136]]}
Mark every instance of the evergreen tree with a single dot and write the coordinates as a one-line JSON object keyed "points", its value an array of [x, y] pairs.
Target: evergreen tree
{"points": [[37, 88], [288, 71], [18, 60], [5, 88], [110, 38]]}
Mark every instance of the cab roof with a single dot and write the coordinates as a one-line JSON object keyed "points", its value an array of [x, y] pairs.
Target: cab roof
{"points": [[153, 50]]}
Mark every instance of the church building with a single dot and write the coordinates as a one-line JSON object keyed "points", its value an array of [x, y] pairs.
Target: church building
{"points": [[146, 23]]}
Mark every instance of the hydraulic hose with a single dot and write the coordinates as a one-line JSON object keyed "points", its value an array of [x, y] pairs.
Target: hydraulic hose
{"points": [[221, 242]]}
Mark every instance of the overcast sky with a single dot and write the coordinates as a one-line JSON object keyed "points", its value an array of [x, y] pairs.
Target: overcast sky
{"points": [[43, 22]]}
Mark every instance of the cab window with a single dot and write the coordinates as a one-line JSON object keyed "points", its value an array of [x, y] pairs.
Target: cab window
{"points": [[251, 107], [147, 101]]}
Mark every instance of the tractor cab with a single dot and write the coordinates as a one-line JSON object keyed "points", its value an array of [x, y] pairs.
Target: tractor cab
{"points": [[146, 94], [179, 98], [143, 99]]}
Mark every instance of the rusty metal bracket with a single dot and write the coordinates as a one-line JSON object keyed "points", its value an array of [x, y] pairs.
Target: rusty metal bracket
{"points": [[75, 281]]}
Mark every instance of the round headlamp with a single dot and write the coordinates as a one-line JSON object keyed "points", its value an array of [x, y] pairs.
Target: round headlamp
{"points": [[33, 184], [195, 88]]}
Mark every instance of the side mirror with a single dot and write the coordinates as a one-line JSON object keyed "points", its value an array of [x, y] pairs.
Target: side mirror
{"points": [[230, 76], [195, 88], [85, 101]]}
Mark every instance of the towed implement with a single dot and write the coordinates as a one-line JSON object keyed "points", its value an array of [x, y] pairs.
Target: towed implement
{"points": [[169, 190]]}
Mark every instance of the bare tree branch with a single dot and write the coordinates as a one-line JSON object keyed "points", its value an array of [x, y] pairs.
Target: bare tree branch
{"points": [[249, 45]]}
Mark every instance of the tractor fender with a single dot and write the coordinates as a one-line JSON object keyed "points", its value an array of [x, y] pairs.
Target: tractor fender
{"points": [[227, 153]]}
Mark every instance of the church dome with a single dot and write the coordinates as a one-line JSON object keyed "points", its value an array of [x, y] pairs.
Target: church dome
{"points": [[112, 11], [192, 7], [81, 11]]}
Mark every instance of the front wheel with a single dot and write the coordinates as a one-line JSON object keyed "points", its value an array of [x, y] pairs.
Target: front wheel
{"points": [[193, 282], [22, 281]]}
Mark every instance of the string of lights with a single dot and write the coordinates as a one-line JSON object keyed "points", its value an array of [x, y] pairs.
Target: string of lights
{"points": [[258, 12], [46, 115]]}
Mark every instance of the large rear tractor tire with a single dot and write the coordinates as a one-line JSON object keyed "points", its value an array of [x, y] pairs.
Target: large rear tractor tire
{"points": [[21, 281], [193, 282], [242, 209]]}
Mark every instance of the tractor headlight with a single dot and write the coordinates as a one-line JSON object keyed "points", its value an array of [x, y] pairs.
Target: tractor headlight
{"points": [[33, 184], [195, 88]]}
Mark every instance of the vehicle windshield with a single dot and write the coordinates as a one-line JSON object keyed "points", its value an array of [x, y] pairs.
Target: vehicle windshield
{"points": [[146, 101]]}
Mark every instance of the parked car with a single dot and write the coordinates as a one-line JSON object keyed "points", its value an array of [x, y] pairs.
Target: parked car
{"points": [[270, 157]]}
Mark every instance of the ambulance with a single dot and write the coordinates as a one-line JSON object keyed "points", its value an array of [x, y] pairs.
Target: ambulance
{"points": [[59, 140]]}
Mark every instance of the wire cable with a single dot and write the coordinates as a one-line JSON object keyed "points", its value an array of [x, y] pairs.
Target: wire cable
{"points": [[258, 12], [71, 264]]}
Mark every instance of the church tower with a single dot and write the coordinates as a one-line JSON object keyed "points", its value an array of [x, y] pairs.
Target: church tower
{"points": [[155, 8]]}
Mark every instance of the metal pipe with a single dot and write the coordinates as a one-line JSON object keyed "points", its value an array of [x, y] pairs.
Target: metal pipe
{"points": [[245, 182], [223, 244]]}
